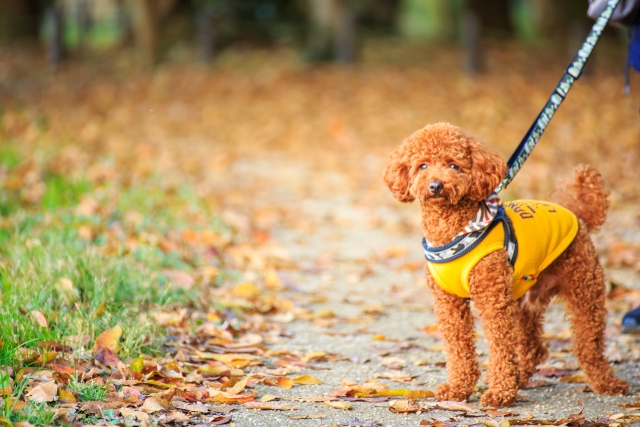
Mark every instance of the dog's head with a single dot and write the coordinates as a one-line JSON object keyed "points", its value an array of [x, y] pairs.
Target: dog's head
{"points": [[440, 164]]}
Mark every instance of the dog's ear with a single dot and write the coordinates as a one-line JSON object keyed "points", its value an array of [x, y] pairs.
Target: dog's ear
{"points": [[397, 176], [487, 171]]}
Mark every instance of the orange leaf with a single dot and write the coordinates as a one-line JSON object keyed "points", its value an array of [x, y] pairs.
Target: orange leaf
{"points": [[403, 392], [306, 380], [109, 339], [219, 398], [285, 383]]}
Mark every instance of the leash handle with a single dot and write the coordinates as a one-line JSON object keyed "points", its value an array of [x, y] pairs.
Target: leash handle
{"points": [[571, 74]]}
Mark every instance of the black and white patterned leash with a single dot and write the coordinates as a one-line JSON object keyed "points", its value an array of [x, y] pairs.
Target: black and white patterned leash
{"points": [[571, 74]]}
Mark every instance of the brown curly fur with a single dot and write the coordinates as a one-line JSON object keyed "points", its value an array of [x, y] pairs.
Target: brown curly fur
{"points": [[575, 276]]}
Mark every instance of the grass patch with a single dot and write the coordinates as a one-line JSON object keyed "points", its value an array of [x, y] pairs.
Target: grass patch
{"points": [[87, 392], [13, 410], [85, 256]]}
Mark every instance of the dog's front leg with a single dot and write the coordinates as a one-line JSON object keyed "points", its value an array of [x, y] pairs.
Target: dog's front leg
{"points": [[455, 323], [490, 286]]}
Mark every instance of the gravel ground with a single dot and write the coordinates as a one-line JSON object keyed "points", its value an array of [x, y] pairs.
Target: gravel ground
{"points": [[360, 269]]}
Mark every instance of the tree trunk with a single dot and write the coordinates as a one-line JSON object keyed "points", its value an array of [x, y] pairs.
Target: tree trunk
{"points": [[84, 25], [205, 34], [470, 37], [321, 14], [55, 47], [345, 33], [144, 29], [147, 16]]}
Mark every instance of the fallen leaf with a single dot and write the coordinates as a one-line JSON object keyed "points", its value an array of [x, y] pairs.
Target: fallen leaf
{"points": [[137, 364], [138, 415], [399, 377], [403, 406], [238, 387], [268, 406], [189, 407], [220, 420], [447, 405], [46, 392], [393, 362], [93, 408], [107, 357], [635, 405], [132, 395], [174, 417], [285, 383], [246, 290], [152, 405], [108, 339], [409, 394], [578, 377], [40, 319], [340, 404], [230, 399], [306, 380], [490, 423], [268, 398], [553, 372], [65, 396]]}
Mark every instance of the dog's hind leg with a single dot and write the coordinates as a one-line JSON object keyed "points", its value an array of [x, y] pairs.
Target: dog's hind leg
{"points": [[455, 324], [491, 283], [531, 348], [584, 295]]}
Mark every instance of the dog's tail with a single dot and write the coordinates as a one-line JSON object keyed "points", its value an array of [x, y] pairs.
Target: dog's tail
{"points": [[585, 196]]}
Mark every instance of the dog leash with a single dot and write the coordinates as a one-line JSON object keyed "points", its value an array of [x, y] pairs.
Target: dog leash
{"points": [[571, 74]]}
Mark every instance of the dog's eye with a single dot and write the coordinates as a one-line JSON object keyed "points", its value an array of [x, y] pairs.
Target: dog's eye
{"points": [[454, 166], [424, 166]]}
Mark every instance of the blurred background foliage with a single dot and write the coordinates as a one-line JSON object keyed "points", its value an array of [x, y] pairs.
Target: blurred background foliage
{"points": [[321, 30]]}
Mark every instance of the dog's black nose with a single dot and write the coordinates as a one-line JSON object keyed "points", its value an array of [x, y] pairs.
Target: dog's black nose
{"points": [[435, 187]]}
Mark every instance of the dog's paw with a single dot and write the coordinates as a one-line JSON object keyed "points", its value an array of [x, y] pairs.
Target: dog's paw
{"points": [[498, 398], [446, 392], [613, 386]]}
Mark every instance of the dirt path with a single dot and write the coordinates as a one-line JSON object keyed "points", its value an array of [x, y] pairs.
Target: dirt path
{"points": [[359, 270]]}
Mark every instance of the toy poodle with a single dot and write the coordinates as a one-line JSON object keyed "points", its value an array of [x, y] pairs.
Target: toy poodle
{"points": [[510, 259]]}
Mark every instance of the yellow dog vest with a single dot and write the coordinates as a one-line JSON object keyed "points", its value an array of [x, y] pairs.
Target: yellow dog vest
{"points": [[543, 231]]}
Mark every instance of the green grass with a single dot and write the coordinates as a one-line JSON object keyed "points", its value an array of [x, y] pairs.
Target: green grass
{"points": [[87, 272], [87, 392], [11, 412]]}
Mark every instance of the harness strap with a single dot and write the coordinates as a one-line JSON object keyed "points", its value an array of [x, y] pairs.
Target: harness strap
{"points": [[464, 244], [571, 74]]}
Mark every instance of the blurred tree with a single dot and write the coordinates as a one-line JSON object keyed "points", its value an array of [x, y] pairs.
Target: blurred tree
{"points": [[205, 35], [470, 39], [54, 31], [84, 23], [332, 25], [218, 23], [146, 19]]}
